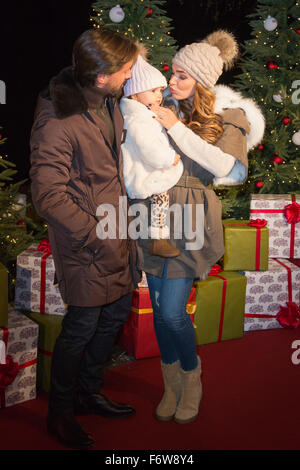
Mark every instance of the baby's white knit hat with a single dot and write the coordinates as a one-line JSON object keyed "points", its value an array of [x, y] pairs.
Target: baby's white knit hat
{"points": [[205, 60], [143, 77]]}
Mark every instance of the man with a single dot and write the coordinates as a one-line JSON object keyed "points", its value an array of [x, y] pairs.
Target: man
{"points": [[76, 167]]}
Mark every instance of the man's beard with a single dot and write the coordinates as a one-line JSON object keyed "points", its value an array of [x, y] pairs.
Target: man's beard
{"points": [[115, 92]]}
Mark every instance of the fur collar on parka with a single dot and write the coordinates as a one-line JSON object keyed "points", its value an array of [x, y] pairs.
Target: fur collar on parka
{"points": [[69, 98], [226, 98]]}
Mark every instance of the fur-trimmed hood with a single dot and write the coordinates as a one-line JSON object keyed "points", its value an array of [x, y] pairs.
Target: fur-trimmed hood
{"points": [[226, 98], [66, 94], [69, 98]]}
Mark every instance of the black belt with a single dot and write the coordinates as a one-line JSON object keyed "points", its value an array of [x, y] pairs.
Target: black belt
{"points": [[192, 182]]}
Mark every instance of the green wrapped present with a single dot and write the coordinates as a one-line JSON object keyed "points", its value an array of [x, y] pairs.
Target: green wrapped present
{"points": [[246, 245], [3, 295], [220, 301], [49, 329]]}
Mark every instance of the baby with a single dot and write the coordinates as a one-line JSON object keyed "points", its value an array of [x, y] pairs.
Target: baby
{"points": [[151, 166]]}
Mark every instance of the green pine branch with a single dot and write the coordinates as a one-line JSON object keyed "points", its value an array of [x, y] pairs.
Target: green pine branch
{"points": [[152, 28], [269, 65]]}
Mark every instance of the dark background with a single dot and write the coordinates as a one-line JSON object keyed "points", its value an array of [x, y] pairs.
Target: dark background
{"points": [[36, 39]]}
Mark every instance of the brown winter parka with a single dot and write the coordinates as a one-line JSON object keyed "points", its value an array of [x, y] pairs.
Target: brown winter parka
{"points": [[75, 168]]}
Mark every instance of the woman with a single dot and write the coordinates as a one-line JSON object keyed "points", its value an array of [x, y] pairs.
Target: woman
{"points": [[212, 136]]}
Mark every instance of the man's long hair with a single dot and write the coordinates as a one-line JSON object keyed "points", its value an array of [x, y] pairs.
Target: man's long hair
{"points": [[101, 51], [201, 118]]}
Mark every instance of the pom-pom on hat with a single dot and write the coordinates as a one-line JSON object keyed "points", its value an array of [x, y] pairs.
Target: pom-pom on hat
{"points": [[205, 60], [143, 77]]}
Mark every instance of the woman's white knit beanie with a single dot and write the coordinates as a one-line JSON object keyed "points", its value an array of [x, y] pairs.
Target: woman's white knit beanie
{"points": [[204, 60], [143, 77]]}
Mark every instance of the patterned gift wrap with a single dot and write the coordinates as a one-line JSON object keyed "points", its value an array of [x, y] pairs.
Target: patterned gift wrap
{"points": [[2, 352], [220, 301], [268, 291], [282, 212], [18, 375], [35, 289], [246, 245], [138, 336], [3, 295], [49, 329]]}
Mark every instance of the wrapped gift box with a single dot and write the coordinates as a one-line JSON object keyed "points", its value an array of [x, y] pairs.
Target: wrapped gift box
{"points": [[246, 245], [35, 289], [20, 338], [49, 329], [282, 211], [138, 336], [220, 301], [3, 295], [2, 352], [268, 291]]}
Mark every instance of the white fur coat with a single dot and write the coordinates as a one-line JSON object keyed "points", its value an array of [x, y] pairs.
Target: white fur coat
{"points": [[147, 154]]}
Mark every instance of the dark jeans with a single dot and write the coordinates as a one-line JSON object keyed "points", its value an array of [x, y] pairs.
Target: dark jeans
{"points": [[173, 326], [82, 349]]}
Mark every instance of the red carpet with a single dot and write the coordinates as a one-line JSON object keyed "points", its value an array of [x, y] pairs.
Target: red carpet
{"points": [[250, 401]]}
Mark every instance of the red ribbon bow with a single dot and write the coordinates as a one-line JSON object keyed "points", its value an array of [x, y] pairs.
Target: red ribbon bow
{"points": [[215, 270], [45, 246], [8, 372], [257, 223], [292, 213], [289, 317]]}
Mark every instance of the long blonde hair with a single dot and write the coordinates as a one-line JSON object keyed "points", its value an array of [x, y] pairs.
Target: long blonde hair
{"points": [[201, 119]]}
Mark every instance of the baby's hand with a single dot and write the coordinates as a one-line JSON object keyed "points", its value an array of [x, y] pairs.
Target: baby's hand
{"points": [[176, 159]]}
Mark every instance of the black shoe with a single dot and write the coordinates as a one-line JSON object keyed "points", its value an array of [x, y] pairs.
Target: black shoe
{"points": [[101, 405], [68, 431]]}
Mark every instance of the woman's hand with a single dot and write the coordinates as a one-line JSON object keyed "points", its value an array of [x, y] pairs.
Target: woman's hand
{"points": [[165, 116]]}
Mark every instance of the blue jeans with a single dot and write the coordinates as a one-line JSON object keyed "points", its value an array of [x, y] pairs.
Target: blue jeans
{"points": [[173, 326]]}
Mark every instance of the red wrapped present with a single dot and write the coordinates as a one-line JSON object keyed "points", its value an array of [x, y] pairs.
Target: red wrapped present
{"points": [[138, 336]]}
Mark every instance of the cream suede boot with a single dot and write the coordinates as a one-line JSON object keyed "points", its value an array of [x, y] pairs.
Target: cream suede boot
{"points": [[188, 406], [172, 380]]}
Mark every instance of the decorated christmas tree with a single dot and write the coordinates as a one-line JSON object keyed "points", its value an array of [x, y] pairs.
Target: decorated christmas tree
{"points": [[270, 75], [17, 231], [141, 21]]}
